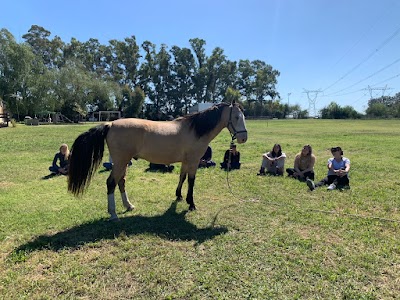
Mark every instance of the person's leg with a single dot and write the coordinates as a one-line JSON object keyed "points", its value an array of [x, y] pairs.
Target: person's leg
{"points": [[280, 166], [309, 175], [210, 163], [324, 181], [235, 166], [343, 182], [107, 165], [290, 172], [53, 169], [264, 163]]}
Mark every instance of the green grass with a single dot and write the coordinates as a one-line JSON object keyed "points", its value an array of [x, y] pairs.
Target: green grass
{"points": [[251, 237]]}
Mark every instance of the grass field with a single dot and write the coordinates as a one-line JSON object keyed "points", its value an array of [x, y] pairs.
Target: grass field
{"points": [[251, 237]]}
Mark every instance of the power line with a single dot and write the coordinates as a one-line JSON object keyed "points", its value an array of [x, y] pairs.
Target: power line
{"points": [[384, 43], [368, 77]]}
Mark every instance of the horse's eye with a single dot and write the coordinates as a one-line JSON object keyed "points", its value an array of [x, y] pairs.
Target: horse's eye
{"points": [[237, 118]]}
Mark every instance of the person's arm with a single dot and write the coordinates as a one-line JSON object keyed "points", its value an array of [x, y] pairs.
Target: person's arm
{"points": [[311, 166], [346, 169], [296, 165], [267, 156], [282, 157], [55, 161], [226, 156]]}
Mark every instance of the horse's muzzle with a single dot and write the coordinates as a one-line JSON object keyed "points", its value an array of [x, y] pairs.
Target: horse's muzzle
{"points": [[241, 137]]}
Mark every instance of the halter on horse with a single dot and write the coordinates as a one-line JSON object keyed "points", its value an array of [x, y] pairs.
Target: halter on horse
{"points": [[183, 140]]}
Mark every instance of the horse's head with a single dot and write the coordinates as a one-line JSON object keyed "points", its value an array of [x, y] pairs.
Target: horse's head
{"points": [[237, 124]]}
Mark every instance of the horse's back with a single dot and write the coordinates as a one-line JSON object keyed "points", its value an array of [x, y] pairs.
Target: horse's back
{"points": [[156, 141]]}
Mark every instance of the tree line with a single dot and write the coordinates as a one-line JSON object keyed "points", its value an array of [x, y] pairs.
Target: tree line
{"points": [[44, 74]]}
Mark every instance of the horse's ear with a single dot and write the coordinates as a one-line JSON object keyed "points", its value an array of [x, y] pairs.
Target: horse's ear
{"points": [[233, 102]]}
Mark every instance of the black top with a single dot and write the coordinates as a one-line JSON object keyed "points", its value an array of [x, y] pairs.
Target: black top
{"points": [[60, 157], [235, 158], [208, 155]]}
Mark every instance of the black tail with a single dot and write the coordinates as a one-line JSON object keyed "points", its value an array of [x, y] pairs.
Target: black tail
{"points": [[86, 155]]}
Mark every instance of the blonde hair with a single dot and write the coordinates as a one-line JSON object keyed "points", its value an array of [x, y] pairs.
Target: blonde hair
{"points": [[66, 155]]}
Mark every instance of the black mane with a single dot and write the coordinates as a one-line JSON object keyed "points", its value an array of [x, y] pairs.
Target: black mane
{"points": [[205, 121]]}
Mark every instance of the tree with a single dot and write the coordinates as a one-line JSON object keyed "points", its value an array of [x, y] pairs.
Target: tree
{"points": [[123, 60], [377, 110], [16, 64], [133, 101], [183, 68], [335, 111], [48, 51]]}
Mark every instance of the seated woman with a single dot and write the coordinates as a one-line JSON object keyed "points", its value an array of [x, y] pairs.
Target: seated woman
{"points": [[205, 161], [62, 157], [231, 159], [273, 161], [303, 165], [338, 172]]}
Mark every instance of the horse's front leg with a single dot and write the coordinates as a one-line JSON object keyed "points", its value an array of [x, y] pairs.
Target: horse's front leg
{"points": [[182, 178], [189, 196], [192, 169]]}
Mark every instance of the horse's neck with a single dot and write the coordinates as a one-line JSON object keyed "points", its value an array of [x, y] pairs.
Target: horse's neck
{"points": [[221, 125]]}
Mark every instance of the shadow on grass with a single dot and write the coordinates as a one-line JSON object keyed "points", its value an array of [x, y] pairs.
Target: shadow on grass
{"points": [[170, 225]]}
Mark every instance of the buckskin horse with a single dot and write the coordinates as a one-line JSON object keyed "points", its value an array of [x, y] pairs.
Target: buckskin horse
{"points": [[184, 139]]}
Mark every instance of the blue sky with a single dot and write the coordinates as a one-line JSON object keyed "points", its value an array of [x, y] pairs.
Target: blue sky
{"points": [[344, 49]]}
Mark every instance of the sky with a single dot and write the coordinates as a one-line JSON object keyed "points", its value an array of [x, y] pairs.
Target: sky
{"points": [[326, 51]]}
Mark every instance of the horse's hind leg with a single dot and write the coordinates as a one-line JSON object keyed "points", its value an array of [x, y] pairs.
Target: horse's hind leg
{"points": [[125, 201], [110, 197], [117, 175]]}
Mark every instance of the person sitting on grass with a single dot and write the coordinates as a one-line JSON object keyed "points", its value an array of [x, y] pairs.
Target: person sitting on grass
{"points": [[205, 161], [62, 157], [338, 172], [303, 165], [231, 159], [273, 161]]}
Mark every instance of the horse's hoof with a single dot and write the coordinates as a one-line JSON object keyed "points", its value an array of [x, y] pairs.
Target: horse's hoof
{"points": [[192, 207], [113, 219], [179, 198], [130, 208]]}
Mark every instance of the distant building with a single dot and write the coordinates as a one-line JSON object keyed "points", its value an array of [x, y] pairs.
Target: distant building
{"points": [[200, 107]]}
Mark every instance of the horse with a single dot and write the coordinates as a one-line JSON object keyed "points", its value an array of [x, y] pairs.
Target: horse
{"points": [[184, 139]]}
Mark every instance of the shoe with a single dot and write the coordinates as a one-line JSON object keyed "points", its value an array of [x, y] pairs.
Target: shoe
{"points": [[261, 172], [310, 184], [331, 187]]}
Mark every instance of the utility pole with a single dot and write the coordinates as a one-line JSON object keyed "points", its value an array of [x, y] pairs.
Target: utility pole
{"points": [[371, 89], [288, 98], [312, 98]]}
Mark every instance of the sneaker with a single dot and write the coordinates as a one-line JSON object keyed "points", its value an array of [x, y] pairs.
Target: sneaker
{"points": [[310, 184], [331, 187]]}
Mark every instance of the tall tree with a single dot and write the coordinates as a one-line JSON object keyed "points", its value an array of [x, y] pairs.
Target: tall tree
{"points": [[182, 68], [200, 71], [123, 60], [49, 51], [15, 72]]}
